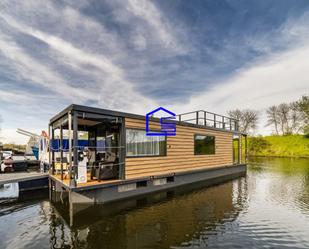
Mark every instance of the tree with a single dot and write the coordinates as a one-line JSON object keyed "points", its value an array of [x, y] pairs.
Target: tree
{"points": [[273, 117], [303, 107], [283, 114], [291, 118], [247, 119]]}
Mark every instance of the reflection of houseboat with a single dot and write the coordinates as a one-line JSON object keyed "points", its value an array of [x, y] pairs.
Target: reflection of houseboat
{"points": [[153, 221], [118, 160]]}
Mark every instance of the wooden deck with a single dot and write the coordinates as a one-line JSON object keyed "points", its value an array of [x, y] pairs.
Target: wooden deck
{"points": [[21, 176], [87, 184]]}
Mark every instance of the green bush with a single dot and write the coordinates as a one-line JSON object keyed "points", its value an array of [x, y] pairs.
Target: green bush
{"points": [[281, 146], [257, 145]]}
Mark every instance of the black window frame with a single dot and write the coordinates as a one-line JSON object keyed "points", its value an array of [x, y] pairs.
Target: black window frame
{"points": [[140, 156], [205, 135]]}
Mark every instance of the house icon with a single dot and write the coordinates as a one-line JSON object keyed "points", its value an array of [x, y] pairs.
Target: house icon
{"points": [[167, 128]]}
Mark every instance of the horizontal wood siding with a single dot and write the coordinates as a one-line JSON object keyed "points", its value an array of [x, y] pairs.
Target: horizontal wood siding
{"points": [[180, 152]]}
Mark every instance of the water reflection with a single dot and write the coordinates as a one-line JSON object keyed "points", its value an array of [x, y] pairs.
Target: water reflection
{"points": [[267, 208], [158, 221]]}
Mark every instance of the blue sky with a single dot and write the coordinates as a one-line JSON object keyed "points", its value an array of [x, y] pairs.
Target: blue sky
{"points": [[137, 55]]}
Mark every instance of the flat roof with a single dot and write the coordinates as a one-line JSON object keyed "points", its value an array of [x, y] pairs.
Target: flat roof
{"points": [[89, 109]]}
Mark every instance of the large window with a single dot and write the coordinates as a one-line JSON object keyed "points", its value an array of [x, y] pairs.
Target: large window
{"points": [[204, 145], [138, 144]]}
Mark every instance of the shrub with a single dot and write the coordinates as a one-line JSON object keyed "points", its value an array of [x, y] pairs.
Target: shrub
{"points": [[257, 144]]}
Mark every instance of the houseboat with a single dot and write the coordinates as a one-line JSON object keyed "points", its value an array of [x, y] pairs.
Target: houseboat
{"points": [[99, 155]]}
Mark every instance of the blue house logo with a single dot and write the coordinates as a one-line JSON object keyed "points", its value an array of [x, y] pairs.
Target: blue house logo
{"points": [[167, 128]]}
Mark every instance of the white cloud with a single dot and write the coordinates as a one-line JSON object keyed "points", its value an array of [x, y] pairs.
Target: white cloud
{"points": [[281, 78], [31, 69], [147, 11], [150, 26], [109, 77], [103, 63]]}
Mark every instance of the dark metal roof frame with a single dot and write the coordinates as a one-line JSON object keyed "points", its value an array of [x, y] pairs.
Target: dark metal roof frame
{"points": [[81, 108]]}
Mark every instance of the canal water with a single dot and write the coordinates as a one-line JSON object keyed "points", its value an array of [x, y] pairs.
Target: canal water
{"points": [[268, 208]]}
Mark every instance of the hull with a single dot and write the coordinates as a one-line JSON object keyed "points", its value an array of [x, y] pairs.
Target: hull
{"points": [[83, 197]]}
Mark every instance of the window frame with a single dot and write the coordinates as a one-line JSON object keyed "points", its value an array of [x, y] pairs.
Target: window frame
{"points": [[206, 135], [140, 156]]}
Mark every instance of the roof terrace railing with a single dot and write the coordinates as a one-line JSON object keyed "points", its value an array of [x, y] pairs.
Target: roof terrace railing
{"points": [[209, 119]]}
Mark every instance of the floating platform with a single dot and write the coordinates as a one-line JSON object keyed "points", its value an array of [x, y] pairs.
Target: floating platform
{"points": [[110, 191], [26, 180]]}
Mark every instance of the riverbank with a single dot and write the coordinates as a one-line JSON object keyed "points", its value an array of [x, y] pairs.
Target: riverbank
{"points": [[279, 146]]}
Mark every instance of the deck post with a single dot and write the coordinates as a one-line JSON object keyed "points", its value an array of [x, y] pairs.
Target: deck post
{"points": [[215, 122], [246, 148], [239, 148], [70, 147], [61, 150], [51, 150], [122, 154], [197, 117], [205, 119], [75, 146], [223, 123]]}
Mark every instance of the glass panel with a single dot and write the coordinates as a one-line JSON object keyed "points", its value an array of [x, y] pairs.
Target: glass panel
{"points": [[138, 144], [204, 145]]}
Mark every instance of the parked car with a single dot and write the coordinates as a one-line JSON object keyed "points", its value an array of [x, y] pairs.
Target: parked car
{"points": [[7, 164]]}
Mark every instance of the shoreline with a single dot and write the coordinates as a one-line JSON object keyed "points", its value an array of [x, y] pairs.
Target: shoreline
{"points": [[272, 156]]}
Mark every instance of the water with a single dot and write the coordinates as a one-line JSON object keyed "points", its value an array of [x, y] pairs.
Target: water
{"points": [[269, 208]]}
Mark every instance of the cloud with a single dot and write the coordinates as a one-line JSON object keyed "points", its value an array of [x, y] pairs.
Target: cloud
{"points": [[106, 78], [30, 69], [135, 55], [281, 78], [149, 27]]}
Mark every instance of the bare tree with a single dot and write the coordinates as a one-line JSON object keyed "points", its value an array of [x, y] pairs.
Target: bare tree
{"points": [[286, 118], [283, 113], [273, 117], [248, 119], [296, 118], [303, 107]]}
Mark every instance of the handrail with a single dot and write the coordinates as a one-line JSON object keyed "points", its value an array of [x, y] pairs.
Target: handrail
{"points": [[218, 121]]}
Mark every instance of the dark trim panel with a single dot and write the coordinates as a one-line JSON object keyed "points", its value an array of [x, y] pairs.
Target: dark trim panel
{"points": [[195, 172]]}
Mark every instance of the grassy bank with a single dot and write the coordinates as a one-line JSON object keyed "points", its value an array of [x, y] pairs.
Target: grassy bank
{"points": [[280, 146]]}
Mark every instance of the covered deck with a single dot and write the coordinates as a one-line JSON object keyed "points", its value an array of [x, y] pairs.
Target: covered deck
{"points": [[87, 148]]}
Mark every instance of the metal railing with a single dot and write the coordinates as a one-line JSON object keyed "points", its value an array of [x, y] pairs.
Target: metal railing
{"points": [[209, 119]]}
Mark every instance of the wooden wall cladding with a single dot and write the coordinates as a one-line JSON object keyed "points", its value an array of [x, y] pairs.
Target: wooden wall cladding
{"points": [[180, 152]]}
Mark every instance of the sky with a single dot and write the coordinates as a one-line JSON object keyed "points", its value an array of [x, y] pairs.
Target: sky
{"points": [[137, 55]]}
